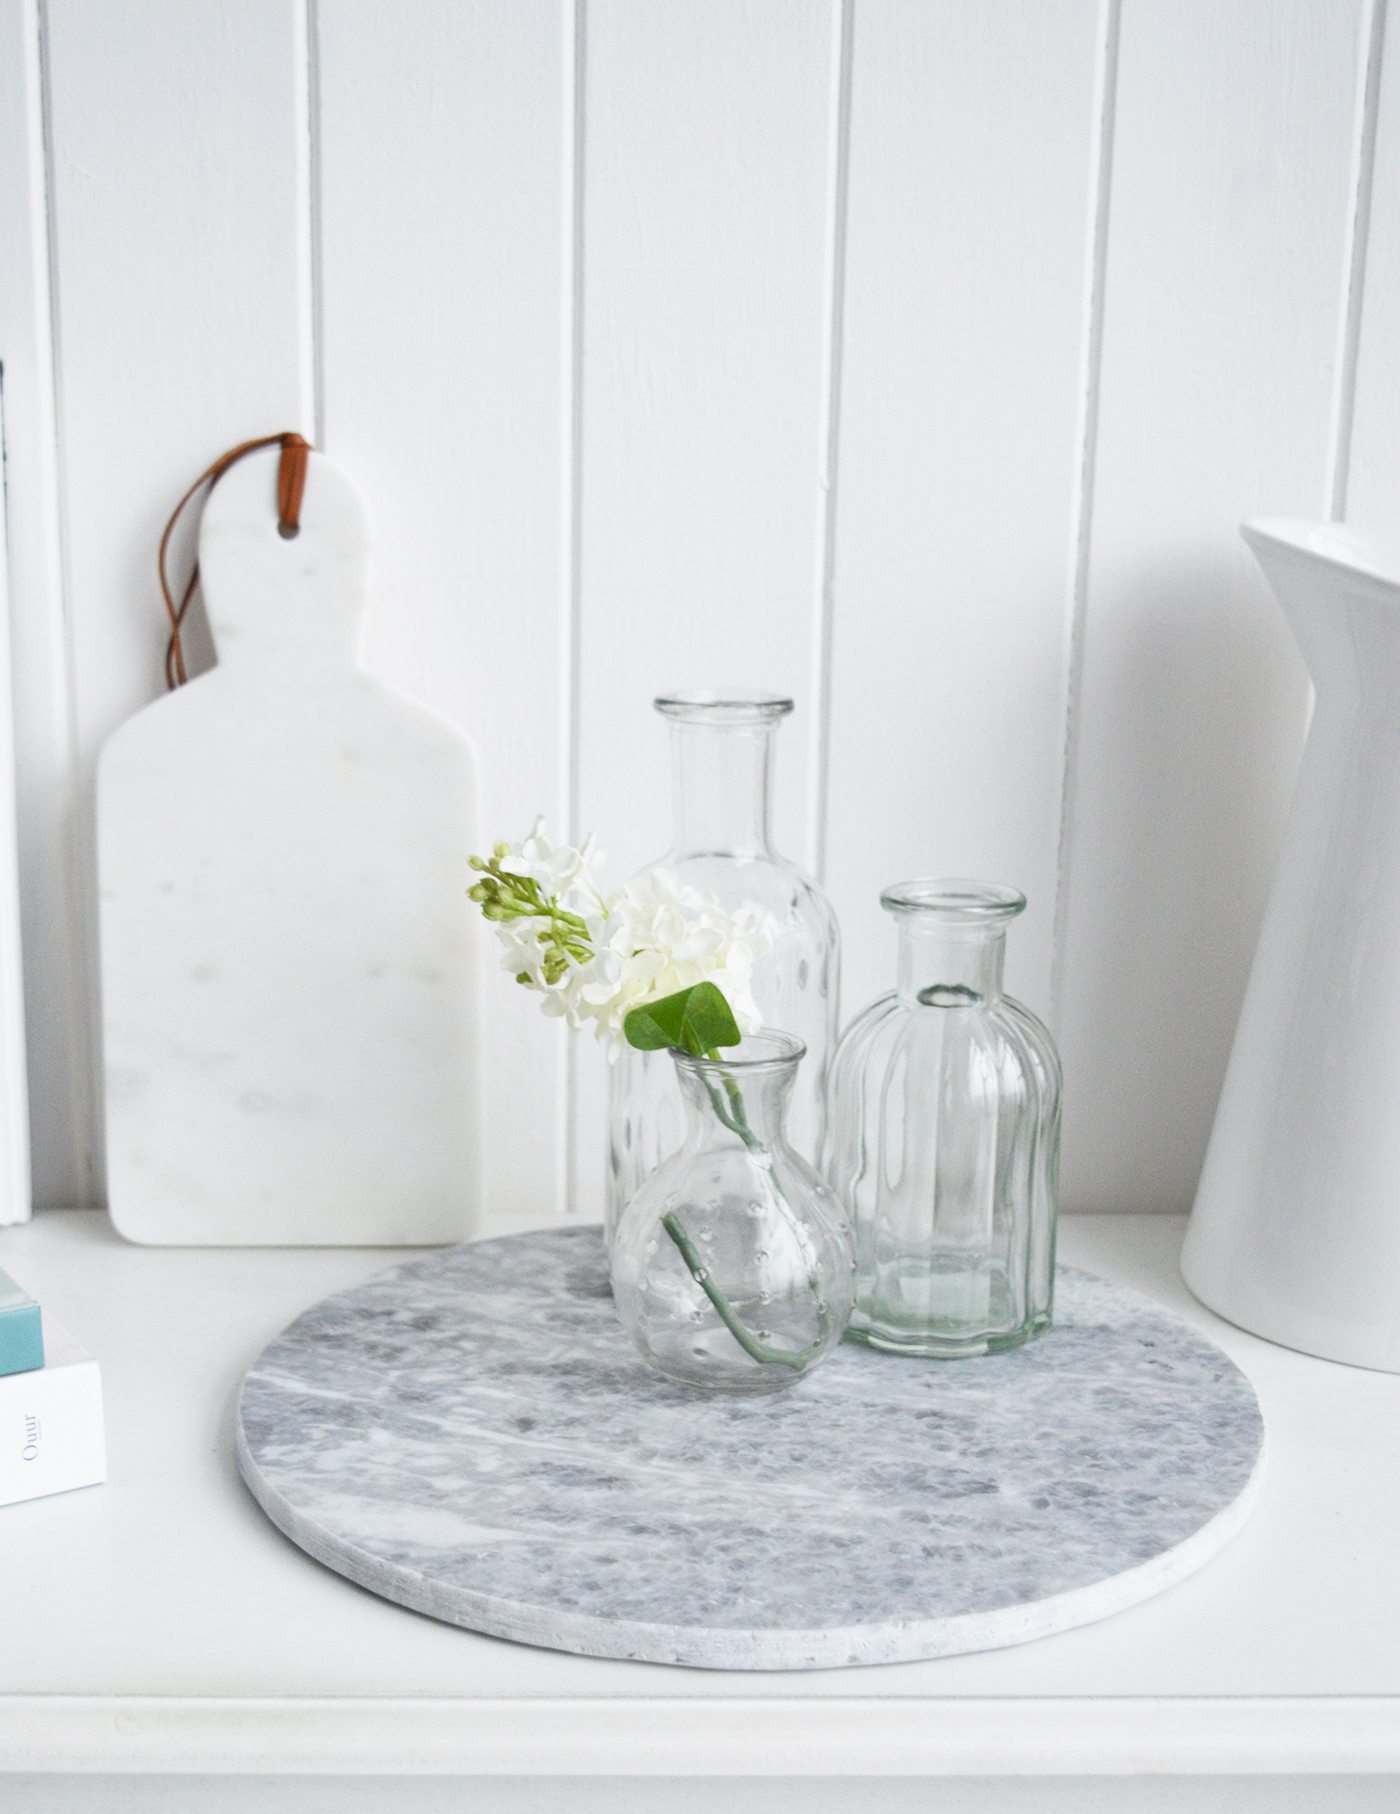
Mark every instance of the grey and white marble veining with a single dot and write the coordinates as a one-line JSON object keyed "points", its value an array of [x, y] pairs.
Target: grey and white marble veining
{"points": [[472, 1435]]}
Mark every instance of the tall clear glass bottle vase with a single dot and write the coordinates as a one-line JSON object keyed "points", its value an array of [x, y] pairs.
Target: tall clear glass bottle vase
{"points": [[722, 784]]}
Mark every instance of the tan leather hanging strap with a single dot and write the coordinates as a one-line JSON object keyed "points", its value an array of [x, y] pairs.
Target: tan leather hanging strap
{"points": [[291, 483]]}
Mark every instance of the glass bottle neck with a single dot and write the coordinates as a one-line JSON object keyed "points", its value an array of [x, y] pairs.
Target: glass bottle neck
{"points": [[736, 1105], [947, 966], [722, 785]]}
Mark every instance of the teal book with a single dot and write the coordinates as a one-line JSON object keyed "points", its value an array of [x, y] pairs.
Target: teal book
{"points": [[21, 1330]]}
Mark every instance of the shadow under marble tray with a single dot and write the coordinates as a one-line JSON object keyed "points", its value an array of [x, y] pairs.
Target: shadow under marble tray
{"points": [[472, 1435]]}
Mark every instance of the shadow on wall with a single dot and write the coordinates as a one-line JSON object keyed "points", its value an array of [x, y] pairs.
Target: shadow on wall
{"points": [[1194, 707]]}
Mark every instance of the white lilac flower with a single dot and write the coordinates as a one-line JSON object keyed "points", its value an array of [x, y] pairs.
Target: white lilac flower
{"points": [[593, 959], [559, 869], [524, 953], [660, 936]]}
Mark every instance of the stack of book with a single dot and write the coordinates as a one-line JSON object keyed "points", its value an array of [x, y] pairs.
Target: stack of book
{"points": [[51, 1432]]}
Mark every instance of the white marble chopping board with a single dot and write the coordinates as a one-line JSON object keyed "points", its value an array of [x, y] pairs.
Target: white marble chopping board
{"points": [[289, 960]]}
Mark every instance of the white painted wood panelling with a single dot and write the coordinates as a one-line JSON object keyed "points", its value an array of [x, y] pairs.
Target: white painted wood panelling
{"points": [[917, 357], [1373, 492], [181, 253], [14, 1085], [971, 212], [706, 264], [57, 1012], [1224, 289], [444, 151]]}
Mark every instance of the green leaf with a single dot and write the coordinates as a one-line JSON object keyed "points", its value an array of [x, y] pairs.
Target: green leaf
{"points": [[693, 1020]]}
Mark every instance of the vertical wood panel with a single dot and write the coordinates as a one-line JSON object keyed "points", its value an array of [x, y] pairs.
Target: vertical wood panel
{"points": [[706, 261], [179, 132], [15, 1192], [1225, 289], [968, 255], [1373, 495], [43, 775], [444, 223]]}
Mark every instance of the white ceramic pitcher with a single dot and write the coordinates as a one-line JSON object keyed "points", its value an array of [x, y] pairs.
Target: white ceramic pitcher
{"points": [[1296, 1229]]}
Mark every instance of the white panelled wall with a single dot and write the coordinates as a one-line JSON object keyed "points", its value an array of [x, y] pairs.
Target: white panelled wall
{"points": [[917, 357]]}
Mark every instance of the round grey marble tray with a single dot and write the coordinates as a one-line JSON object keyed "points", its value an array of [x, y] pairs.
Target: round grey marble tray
{"points": [[473, 1435]]}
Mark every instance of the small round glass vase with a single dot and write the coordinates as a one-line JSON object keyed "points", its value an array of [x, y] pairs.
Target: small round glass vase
{"points": [[733, 1266], [943, 1135]]}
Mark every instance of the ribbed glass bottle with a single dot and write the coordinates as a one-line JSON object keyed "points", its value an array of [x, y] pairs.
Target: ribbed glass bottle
{"points": [[722, 785], [943, 1136]]}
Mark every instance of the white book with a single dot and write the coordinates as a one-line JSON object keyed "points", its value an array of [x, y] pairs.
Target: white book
{"points": [[51, 1432]]}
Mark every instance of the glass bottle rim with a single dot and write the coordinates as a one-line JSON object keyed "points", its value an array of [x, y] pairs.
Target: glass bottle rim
{"points": [[769, 1049], [730, 705], [954, 901]]}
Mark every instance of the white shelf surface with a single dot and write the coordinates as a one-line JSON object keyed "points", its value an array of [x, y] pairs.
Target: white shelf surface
{"points": [[160, 1622]]}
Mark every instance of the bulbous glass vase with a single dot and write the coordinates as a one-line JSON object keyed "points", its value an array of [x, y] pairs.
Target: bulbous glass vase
{"points": [[943, 1136], [733, 1266], [722, 783]]}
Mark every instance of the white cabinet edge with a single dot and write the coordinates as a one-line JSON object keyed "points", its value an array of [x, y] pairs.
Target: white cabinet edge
{"points": [[724, 1736]]}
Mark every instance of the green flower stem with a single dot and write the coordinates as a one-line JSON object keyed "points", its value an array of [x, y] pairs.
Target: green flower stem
{"points": [[739, 1124], [797, 1359]]}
